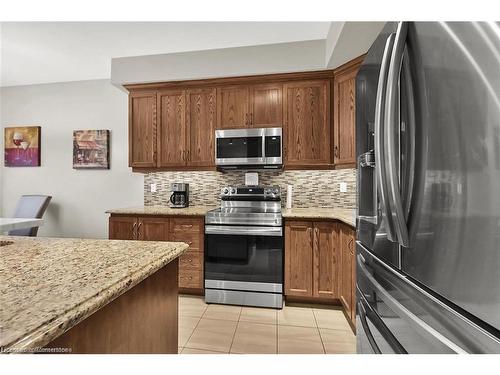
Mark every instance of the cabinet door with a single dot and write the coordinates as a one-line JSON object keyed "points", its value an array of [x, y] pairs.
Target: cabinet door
{"points": [[142, 129], [153, 229], [352, 251], [172, 128], [201, 119], [232, 107], [122, 228], [266, 106], [307, 123], [298, 258], [326, 260], [345, 117], [346, 287]]}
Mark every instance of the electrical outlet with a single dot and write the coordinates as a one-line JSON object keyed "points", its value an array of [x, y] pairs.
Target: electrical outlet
{"points": [[343, 187], [153, 188]]}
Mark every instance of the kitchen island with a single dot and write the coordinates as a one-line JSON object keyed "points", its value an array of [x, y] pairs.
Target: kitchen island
{"points": [[88, 296]]}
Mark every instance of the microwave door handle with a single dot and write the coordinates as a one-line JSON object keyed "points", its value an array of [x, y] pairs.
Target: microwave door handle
{"points": [[392, 123], [380, 165]]}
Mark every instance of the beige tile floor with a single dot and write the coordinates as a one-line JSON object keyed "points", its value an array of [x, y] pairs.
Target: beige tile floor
{"points": [[222, 329]]}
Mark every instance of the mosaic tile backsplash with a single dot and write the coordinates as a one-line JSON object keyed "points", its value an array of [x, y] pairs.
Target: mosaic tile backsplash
{"points": [[311, 188]]}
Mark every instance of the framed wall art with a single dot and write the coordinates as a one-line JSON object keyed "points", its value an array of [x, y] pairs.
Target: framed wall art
{"points": [[91, 149], [22, 146]]}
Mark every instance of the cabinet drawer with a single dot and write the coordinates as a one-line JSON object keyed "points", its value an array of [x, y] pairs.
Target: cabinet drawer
{"points": [[184, 225], [191, 279], [192, 239], [191, 260]]}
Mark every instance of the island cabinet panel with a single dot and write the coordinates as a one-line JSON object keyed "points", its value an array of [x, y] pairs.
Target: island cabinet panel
{"points": [[172, 129], [266, 105], [142, 129], [344, 112], [348, 281], [190, 230], [299, 258], [326, 260], [143, 320], [307, 124], [122, 228], [233, 107], [201, 123]]}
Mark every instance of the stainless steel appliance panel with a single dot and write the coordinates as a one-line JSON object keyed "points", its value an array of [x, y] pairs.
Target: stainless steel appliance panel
{"points": [[454, 243], [416, 320]]}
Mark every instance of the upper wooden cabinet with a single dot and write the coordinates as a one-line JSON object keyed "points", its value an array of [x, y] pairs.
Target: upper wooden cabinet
{"points": [[307, 127], [344, 93], [142, 129], [247, 106], [232, 107], [172, 128], [266, 105], [201, 120]]}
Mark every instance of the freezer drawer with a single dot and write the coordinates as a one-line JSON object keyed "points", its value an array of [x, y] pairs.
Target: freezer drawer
{"points": [[395, 315]]}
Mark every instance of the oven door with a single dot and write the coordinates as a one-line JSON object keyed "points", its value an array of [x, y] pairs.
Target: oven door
{"points": [[244, 258]]}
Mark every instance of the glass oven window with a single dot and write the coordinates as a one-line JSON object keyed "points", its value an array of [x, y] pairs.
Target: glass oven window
{"points": [[243, 147], [244, 258], [273, 146]]}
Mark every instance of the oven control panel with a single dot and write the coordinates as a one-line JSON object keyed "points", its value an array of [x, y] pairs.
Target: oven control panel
{"points": [[255, 192]]}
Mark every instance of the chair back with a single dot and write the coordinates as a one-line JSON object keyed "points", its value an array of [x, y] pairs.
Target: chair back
{"points": [[32, 207]]}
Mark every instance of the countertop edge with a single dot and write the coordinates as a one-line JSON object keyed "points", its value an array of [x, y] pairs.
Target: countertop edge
{"points": [[48, 332]]}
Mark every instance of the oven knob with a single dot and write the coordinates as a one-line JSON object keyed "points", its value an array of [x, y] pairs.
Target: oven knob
{"points": [[233, 191], [225, 191], [275, 191]]}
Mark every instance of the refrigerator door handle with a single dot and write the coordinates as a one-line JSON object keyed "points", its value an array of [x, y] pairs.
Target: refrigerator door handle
{"points": [[391, 117], [403, 312], [366, 311], [380, 165]]}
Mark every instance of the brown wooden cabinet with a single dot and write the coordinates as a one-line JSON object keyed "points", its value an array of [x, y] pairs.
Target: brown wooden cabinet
{"points": [[326, 260], [299, 258], [266, 105], [162, 228], [311, 259], [348, 280], [201, 122], [142, 129], [172, 129], [307, 127], [344, 110], [232, 107]]}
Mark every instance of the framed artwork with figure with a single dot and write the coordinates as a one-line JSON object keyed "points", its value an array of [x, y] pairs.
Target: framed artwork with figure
{"points": [[91, 149], [22, 146]]}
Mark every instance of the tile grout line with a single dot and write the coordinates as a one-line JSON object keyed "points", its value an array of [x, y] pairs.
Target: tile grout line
{"points": [[319, 332], [234, 334], [194, 329]]}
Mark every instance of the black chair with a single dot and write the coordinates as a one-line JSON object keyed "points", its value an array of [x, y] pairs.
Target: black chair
{"points": [[32, 207]]}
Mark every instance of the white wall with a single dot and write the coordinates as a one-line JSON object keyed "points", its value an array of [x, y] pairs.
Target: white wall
{"points": [[353, 40], [80, 197], [225, 62]]}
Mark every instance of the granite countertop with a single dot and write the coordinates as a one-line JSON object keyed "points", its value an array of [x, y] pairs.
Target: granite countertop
{"points": [[347, 216], [48, 285], [163, 210]]}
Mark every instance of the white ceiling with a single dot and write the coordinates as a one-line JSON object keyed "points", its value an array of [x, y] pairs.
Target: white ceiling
{"points": [[44, 52]]}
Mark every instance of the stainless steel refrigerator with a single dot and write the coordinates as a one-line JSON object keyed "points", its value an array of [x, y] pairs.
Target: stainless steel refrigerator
{"points": [[428, 224]]}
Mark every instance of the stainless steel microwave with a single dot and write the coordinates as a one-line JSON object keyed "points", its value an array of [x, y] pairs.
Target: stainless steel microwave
{"points": [[257, 148]]}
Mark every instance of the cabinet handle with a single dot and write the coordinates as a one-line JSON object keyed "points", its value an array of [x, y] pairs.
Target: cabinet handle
{"points": [[336, 151], [246, 119], [183, 155], [251, 118], [134, 233], [284, 151], [309, 230], [188, 155], [139, 229]]}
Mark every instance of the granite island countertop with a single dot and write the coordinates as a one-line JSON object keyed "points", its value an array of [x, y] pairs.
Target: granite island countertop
{"points": [[347, 216], [162, 210], [48, 285]]}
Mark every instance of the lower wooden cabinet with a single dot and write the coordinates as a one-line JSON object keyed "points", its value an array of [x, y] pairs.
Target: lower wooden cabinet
{"points": [[178, 229], [319, 262]]}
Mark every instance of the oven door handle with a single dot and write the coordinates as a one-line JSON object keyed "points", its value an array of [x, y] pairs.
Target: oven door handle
{"points": [[244, 230]]}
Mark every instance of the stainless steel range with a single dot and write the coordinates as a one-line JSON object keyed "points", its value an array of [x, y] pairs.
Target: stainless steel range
{"points": [[244, 248]]}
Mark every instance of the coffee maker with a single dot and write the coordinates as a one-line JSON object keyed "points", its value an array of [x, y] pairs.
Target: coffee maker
{"points": [[180, 195]]}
